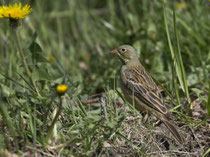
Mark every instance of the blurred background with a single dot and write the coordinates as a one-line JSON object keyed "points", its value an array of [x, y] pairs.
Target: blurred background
{"points": [[75, 37], [67, 41]]}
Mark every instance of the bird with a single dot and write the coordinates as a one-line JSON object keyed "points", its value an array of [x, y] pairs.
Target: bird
{"points": [[138, 87]]}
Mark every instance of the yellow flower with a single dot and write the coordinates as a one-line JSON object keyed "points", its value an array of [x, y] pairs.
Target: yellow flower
{"points": [[61, 89], [15, 11], [154, 36], [51, 59], [181, 5]]}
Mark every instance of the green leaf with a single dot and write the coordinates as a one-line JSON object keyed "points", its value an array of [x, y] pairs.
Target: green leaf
{"points": [[208, 103], [7, 119], [43, 74], [94, 112], [34, 47], [6, 91], [197, 91], [35, 75], [38, 57], [94, 118], [36, 50]]}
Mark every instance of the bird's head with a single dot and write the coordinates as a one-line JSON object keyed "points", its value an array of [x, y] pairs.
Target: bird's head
{"points": [[126, 53]]}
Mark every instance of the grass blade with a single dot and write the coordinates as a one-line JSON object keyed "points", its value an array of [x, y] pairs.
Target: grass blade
{"points": [[176, 56], [208, 103], [183, 80]]}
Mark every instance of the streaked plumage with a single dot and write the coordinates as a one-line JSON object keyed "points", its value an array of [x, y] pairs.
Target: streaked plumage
{"points": [[139, 86]]}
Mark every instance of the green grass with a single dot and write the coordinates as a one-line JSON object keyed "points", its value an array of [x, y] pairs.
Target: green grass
{"points": [[67, 42]]}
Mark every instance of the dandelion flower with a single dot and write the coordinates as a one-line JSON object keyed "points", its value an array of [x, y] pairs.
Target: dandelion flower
{"points": [[15, 11], [181, 5], [154, 36], [61, 89], [51, 59]]}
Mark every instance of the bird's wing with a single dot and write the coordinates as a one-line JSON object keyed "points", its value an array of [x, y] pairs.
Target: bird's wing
{"points": [[138, 81]]}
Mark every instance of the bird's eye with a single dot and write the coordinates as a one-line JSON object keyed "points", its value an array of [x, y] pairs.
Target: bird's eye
{"points": [[123, 49]]}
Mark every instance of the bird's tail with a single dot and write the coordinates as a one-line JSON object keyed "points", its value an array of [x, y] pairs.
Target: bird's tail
{"points": [[174, 131]]}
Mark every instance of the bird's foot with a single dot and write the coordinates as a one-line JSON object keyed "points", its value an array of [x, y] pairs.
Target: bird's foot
{"points": [[157, 123]]}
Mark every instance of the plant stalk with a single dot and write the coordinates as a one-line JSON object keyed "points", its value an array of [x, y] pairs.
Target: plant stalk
{"points": [[24, 61]]}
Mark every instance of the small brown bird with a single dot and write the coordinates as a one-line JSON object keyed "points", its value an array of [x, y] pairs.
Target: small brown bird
{"points": [[137, 86]]}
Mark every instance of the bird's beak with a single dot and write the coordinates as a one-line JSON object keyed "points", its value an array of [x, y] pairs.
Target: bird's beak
{"points": [[114, 51]]}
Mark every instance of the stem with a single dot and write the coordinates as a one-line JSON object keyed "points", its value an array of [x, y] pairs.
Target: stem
{"points": [[24, 61], [49, 133]]}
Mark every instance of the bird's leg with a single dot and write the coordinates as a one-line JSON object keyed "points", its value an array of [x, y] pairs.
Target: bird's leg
{"points": [[158, 122]]}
